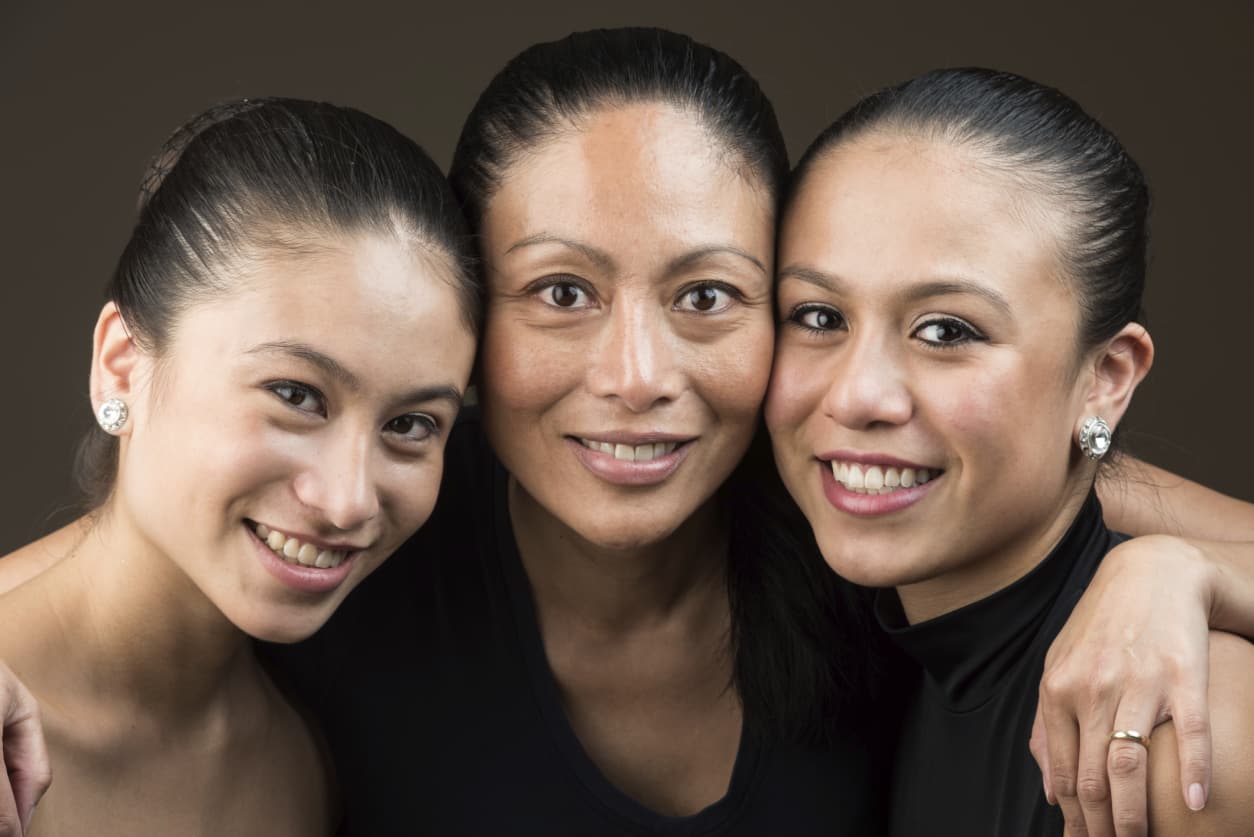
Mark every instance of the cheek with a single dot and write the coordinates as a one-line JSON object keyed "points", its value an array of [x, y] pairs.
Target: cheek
{"points": [[1010, 417], [795, 394], [523, 369], [735, 372]]}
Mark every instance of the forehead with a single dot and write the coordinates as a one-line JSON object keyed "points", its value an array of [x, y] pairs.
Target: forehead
{"points": [[369, 300], [640, 177], [896, 209]]}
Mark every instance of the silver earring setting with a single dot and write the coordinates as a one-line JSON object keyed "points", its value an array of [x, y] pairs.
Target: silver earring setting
{"points": [[1095, 437], [112, 415]]}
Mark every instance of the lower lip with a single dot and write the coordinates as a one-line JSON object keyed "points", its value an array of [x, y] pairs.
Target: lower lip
{"points": [[870, 505], [297, 577], [621, 472]]}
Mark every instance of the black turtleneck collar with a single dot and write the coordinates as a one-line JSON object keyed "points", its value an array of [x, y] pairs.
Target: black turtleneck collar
{"points": [[967, 653]]}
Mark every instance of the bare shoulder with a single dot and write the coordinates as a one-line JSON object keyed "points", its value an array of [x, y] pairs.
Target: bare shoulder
{"points": [[21, 565], [1230, 808]]}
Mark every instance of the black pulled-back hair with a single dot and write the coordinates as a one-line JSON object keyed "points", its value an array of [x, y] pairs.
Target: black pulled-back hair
{"points": [[548, 88], [797, 633], [251, 177], [1045, 141]]}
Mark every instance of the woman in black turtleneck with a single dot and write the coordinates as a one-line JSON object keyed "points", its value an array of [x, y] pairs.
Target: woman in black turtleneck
{"points": [[961, 269]]}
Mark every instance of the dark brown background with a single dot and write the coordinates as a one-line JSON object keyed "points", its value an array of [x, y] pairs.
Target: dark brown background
{"points": [[88, 91]]}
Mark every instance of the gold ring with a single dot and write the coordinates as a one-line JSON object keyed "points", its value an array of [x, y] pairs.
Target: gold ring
{"points": [[1130, 735]]}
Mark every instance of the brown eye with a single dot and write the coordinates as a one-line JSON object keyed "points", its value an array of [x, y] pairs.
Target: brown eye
{"points": [[705, 299], [565, 295], [298, 396], [413, 427], [817, 318]]}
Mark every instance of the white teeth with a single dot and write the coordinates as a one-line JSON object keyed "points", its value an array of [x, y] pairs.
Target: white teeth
{"points": [[876, 479], [631, 453], [855, 480], [307, 554], [294, 552]]}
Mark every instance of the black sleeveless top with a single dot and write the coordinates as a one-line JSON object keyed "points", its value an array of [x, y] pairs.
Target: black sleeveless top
{"points": [[963, 764], [442, 715]]}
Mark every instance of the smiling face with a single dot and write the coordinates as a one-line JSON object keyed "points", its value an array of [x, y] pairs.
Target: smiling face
{"points": [[927, 380], [628, 337], [308, 407]]}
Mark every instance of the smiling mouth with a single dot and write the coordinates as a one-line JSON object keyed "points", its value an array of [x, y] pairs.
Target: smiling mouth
{"points": [[295, 552], [879, 479], [630, 453]]}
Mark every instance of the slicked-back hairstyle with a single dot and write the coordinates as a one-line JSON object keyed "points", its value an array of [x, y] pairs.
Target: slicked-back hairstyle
{"points": [[1045, 141], [798, 634], [549, 88], [255, 177]]}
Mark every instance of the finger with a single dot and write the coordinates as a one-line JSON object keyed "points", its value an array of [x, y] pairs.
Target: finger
{"points": [[1127, 763], [10, 822], [1038, 745], [1092, 786], [23, 750], [1064, 743], [26, 754], [1190, 717]]}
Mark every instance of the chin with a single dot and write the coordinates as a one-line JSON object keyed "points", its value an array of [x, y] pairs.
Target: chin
{"points": [[624, 535], [279, 627], [865, 564]]}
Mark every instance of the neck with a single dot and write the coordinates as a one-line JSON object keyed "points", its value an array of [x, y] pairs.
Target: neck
{"points": [[983, 575], [613, 590], [135, 629]]}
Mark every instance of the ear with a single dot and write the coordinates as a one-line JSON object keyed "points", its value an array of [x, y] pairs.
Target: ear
{"points": [[114, 360], [1118, 367]]}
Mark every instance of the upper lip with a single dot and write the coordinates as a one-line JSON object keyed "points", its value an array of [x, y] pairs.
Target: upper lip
{"points": [[627, 437], [881, 459], [312, 540]]}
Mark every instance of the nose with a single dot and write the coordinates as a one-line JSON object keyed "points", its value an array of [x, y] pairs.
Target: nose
{"points": [[339, 485], [869, 385], [635, 361]]}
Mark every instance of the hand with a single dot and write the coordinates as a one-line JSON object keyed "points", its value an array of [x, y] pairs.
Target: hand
{"points": [[1134, 654], [23, 756]]}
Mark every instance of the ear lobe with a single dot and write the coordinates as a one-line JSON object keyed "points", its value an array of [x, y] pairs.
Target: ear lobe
{"points": [[1118, 368], [114, 358]]}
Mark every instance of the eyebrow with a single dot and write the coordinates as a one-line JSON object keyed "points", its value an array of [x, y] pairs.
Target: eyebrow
{"points": [[916, 293], [332, 367], [605, 261], [689, 259], [598, 257]]}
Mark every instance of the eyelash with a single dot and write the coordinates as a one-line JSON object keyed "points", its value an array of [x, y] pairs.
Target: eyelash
{"points": [[734, 295], [284, 390], [969, 333], [432, 426], [795, 318], [548, 283], [298, 388]]}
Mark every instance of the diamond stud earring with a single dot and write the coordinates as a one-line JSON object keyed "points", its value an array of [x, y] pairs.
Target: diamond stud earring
{"points": [[1095, 437], [112, 415]]}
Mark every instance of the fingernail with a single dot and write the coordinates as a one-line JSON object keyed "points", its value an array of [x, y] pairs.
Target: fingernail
{"points": [[1196, 797], [1049, 797]]}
